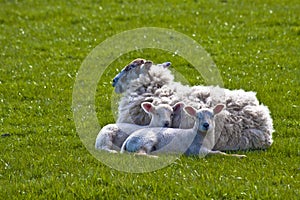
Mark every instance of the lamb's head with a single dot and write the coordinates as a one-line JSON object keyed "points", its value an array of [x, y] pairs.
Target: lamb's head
{"points": [[131, 72], [204, 118], [161, 115]]}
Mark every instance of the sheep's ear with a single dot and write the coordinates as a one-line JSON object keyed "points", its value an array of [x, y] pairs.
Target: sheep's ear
{"points": [[138, 61], [191, 111], [166, 64], [148, 107], [148, 65], [218, 108], [178, 107]]}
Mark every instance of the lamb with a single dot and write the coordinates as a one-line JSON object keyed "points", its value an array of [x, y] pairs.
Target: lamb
{"points": [[112, 136], [247, 121], [198, 140]]}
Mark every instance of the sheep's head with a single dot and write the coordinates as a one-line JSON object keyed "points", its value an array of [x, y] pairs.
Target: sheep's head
{"points": [[132, 71], [161, 115], [204, 118]]}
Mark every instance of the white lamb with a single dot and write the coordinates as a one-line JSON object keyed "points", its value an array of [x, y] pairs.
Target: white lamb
{"points": [[112, 136], [198, 140], [156, 84]]}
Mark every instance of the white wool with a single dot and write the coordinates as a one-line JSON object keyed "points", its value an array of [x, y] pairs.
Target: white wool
{"points": [[246, 125]]}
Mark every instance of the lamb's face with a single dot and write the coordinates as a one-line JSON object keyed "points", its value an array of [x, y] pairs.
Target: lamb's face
{"points": [[162, 116], [205, 120]]}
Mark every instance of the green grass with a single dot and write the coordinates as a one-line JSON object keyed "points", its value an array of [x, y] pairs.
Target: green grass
{"points": [[255, 44]]}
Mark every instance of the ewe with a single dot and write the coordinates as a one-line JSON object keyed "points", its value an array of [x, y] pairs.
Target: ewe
{"points": [[198, 140], [112, 136]]}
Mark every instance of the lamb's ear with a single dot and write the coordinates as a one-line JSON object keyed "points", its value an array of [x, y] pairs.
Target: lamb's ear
{"points": [[218, 108], [191, 111], [178, 107], [147, 107]]}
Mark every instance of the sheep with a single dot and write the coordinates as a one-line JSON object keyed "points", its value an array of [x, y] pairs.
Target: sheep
{"points": [[158, 86], [249, 129], [198, 140], [111, 136]]}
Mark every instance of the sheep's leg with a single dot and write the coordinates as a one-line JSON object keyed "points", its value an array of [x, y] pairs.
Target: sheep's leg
{"points": [[109, 150], [225, 154], [143, 152], [146, 148], [104, 142]]}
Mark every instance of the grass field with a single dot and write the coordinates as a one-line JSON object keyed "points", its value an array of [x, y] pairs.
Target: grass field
{"points": [[255, 44]]}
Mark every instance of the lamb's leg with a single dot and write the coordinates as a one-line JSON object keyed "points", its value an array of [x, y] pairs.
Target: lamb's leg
{"points": [[146, 147], [110, 139], [104, 142], [109, 150], [142, 152], [225, 154]]}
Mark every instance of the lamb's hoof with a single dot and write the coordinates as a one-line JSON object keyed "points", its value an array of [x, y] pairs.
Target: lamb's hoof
{"points": [[145, 154], [109, 150], [152, 156], [241, 156]]}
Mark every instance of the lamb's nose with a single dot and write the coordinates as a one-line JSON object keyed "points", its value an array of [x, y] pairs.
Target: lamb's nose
{"points": [[206, 125]]}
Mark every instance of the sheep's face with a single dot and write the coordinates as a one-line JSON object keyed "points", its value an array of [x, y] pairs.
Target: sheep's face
{"points": [[133, 71], [129, 73], [161, 115], [204, 118]]}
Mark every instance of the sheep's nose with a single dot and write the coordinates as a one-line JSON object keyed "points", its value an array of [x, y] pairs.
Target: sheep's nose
{"points": [[167, 124], [206, 125]]}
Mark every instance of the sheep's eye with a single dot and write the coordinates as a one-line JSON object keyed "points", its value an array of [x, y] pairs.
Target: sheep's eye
{"points": [[115, 80]]}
